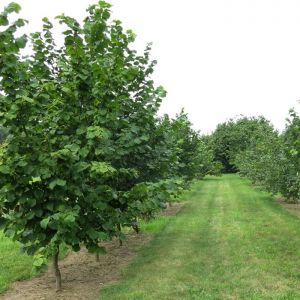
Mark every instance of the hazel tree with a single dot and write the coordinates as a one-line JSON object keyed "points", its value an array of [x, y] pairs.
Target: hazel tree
{"points": [[79, 120]]}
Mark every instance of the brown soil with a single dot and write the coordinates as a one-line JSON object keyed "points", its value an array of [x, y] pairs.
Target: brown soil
{"points": [[172, 209], [293, 208], [82, 276]]}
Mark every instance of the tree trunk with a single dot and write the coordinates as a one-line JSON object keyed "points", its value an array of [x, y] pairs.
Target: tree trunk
{"points": [[56, 270], [120, 229], [135, 226]]}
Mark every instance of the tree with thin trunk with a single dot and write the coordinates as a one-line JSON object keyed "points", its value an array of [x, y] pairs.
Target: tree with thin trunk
{"points": [[71, 114], [56, 270], [85, 153]]}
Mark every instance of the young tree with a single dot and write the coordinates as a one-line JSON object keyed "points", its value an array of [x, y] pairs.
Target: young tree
{"points": [[79, 120], [85, 153]]}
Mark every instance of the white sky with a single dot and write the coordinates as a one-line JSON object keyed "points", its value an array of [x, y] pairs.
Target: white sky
{"points": [[216, 58]]}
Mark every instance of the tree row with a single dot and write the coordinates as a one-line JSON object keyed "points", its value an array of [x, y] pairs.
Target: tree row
{"points": [[84, 153]]}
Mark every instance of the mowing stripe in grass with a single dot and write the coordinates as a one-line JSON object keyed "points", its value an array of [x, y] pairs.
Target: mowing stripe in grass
{"points": [[230, 241]]}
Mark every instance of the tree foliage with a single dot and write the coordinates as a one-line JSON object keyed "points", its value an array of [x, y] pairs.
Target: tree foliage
{"points": [[272, 160], [234, 136], [256, 150], [85, 153]]}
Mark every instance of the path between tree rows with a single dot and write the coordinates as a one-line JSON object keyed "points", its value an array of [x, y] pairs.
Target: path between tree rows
{"points": [[230, 241]]}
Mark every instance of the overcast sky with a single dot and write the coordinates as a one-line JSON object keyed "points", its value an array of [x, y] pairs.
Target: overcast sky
{"points": [[216, 58]]}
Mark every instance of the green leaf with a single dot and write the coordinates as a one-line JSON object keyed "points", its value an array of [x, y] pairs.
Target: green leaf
{"points": [[20, 22], [50, 206], [45, 173], [3, 20], [35, 179], [44, 223], [22, 163], [70, 218], [10, 233], [99, 205], [31, 202], [13, 7], [57, 182], [102, 235], [92, 233], [84, 152], [102, 168], [30, 215], [81, 166], [66, 90], [104, 4], [4, 169], [161, 92], [73, 147], [293, 152], [21, 41], [95, 132], [96, 235], [106, 15], [38, 212], [81, 130], [99, 151], [38, 262]]}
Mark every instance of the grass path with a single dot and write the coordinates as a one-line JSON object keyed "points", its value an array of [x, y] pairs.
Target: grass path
{"points": [[229, 242]]}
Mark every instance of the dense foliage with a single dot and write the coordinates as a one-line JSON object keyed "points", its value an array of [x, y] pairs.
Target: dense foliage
{"points": [[273, 161], [232, 137], [256, 150], [194, 153], [84, 152]]}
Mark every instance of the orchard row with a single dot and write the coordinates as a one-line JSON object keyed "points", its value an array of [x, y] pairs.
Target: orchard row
{"points": [[84, 153], [254, 148]]}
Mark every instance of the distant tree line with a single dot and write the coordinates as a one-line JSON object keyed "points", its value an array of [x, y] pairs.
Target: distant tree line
{"points": [[252, 147]]}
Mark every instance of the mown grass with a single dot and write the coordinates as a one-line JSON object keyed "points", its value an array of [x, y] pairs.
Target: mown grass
{"points": [[230, 241], [13, 264]]}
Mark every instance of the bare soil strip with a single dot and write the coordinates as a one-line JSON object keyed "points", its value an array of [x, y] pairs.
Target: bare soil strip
{"points": [[293, 208], [82, 276]]}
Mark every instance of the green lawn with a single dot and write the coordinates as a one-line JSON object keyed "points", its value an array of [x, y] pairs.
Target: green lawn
{"points": [[13, 264], [229, 242]]}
